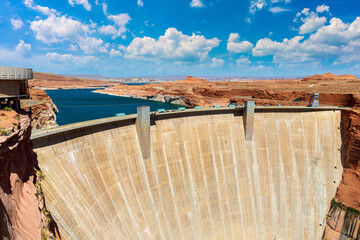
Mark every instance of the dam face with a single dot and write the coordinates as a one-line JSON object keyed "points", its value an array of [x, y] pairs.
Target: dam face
{"points": [[203, 180]]}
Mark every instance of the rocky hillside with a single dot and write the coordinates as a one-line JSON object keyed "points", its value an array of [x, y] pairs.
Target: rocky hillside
{"points": [[53, 81], [340, 90]]}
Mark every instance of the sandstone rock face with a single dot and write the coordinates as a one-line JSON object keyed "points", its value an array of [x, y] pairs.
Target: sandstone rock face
{"points": [[19, 210], [43, 110], [333, 89]]}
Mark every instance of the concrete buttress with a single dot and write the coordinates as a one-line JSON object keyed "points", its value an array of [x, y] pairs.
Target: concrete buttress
{"points": [[143, 130]]}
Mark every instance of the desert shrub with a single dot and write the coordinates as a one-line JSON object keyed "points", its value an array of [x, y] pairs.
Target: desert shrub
{"points": [[7, 109], [4, 132]]}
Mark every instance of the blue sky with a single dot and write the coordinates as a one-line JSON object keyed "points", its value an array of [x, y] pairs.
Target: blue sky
{"points": [[188, 37]]}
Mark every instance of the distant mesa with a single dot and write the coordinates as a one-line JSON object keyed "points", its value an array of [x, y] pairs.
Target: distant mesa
{"points": [[191, 79], [329, 76]]}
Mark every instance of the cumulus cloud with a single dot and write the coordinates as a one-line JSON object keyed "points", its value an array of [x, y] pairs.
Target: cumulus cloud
{"points": [[338, 42], [84, 3], [172, 46], [140, 3], [337, 32], [112, 31], [23, 48], [16, 23], [69, 58], [322, 8], [234, 45], [121, 20], [217, 62], [311, 21], [44, 10], [271, 5], [196, 3], [56, 29], [115, 53], [243, 61], [92, 45]]}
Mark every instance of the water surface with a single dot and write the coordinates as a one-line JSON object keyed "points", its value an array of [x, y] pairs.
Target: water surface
{"points": [[77, 105]]}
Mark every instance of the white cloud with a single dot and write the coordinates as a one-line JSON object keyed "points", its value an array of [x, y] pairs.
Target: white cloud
{"points": [[322, 8], [140, 3], [278, 9], [115, 53], [335, 33], [338, 42], [68, 58], [312, 24], [105, 8], [112, 31], [311, 20], [44, 10], [172, 46], [266, 46], [121, 19], [271, 5], [16, 23], [234, 45], [243, 61], [85, 3], [74, 47], [196, 3], [92, 45], [216, 62], [56, 29], [23, 48]]}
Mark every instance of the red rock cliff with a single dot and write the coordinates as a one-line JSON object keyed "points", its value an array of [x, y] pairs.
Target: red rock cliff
{"points": [[19, 213]]}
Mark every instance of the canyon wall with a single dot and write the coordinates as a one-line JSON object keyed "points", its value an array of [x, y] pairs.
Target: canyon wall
{"points": [[19, 210], [203, 181]]}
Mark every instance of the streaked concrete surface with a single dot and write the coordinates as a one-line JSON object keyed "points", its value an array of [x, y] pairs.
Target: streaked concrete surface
{"points": [[203, 180]]}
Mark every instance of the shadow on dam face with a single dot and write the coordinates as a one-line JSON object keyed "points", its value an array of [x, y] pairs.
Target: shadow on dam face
{"points": [[203, 180]]}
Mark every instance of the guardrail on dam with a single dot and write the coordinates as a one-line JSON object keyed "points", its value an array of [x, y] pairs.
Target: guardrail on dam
{"points": [[203, 179]]}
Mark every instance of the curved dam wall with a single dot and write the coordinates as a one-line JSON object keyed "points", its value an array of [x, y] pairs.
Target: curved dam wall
{"points": [[203, 180]]}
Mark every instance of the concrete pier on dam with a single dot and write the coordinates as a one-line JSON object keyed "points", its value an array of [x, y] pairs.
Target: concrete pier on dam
{"points": [[221, 173]]}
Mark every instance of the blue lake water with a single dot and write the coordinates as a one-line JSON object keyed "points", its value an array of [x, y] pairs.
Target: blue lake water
{"points": [[77, 105]]}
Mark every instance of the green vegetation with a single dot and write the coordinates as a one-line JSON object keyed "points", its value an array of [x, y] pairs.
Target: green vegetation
{"points": [[39, 174], [7, 109], [339, 204], [44, 233], [4, 132], [350, 209], [17, 117]]}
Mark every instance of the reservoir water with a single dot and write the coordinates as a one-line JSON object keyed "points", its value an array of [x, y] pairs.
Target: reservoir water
{"points": [[77, 105]]}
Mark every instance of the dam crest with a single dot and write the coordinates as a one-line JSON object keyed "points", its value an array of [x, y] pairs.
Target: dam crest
{"points": [[219, 173]]}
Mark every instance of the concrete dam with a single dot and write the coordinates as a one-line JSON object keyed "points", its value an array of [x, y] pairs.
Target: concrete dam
{"points": [[221, 173]]}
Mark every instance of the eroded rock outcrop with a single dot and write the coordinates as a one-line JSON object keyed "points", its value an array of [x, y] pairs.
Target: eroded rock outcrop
{"points": [[23, 214], [42, 108], [19, 212]]}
